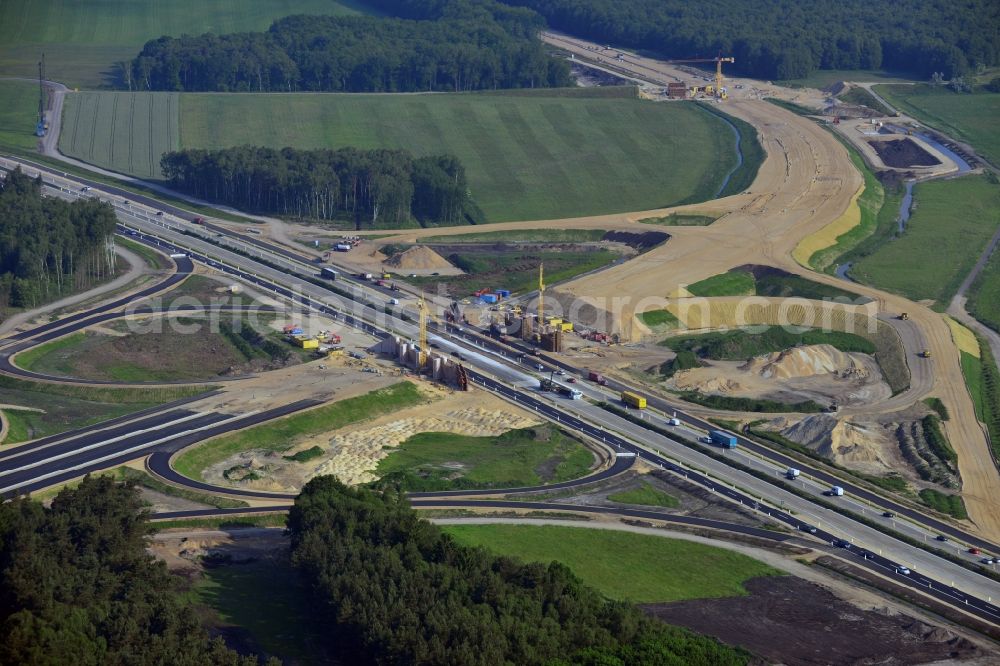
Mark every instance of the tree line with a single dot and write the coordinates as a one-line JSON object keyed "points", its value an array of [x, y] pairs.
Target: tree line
{"points": [[788, 39], [50, 247], [78, 587], [460, 45], [394, 589], [378, 187]]}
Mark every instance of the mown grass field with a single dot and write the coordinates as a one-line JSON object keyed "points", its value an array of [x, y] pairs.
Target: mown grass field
{"points": [[974, 119], [645, 495], [530, 155], [518, 458], [638, 567], [821, 78], [952, 223], [84, 39], [282, 434]]}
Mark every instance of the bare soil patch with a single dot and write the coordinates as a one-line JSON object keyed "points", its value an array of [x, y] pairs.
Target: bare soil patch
{"points": [[903, 153], [791, 621]]}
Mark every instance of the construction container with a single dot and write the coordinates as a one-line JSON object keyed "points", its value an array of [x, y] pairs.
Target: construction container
{"points": [[566, 326], [489, 298], [553, 321], [289, 328], [503, 293]]}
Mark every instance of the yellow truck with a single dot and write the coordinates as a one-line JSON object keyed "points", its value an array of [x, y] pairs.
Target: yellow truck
{"points": [[306, 343], [634, 399]]}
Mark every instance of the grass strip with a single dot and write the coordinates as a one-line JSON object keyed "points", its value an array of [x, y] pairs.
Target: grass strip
{"points": [[645, 495], [952, 505], [144, 480]]}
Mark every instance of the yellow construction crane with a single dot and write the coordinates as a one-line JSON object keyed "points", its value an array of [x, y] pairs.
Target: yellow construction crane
{"points": [[541, 295], [718, 60]]}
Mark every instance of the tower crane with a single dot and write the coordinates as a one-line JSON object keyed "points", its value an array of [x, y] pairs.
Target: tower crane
{"points": [[718, 60], [422, 354]]}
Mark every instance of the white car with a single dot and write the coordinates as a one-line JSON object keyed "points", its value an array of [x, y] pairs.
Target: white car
{"points": [[903, 570], [674, 422], [539, 366]]}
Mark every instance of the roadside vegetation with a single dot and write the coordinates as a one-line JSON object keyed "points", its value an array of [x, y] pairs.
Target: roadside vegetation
{"points": [[663, 318], [740, 345], [645, 495], [347, 544], [951, 505], [952, 223], [143, 480], [733, 283], [153, 258], [282, 434], [984, 294], [18, 112], [518, 458], [735, 404], [67, 407], [542, 154], [769, 282], [522, 236], [966, 117], [598, 557], [982, 377]]}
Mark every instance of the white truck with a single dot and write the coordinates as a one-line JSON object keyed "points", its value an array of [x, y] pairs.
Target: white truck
{"points": [[792, 473], [835, 491]]}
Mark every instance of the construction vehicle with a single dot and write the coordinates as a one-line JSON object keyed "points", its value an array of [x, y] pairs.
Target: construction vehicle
{"points": [[43, 123], [904, 316], [925, 353], [717, 89], [633, 400]]}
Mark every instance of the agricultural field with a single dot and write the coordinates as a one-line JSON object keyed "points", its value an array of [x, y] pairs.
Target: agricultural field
{"points": [[972, 118], [638, 567], [540, 154], [18, 114], [123, 132], [517, 458], [61, 407], [84, 40], [821, 78], [948, 230]]}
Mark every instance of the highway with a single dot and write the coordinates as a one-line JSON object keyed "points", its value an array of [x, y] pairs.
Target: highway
{"points": [[580, 416]]}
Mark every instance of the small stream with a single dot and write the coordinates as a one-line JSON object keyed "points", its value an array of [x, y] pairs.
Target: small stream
{"points": [[739, 157]]}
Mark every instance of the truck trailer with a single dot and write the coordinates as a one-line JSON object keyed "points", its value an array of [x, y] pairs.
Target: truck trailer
{"points": [[723, 439], [597, 377], [792, 473], [328, 273], [634, 400]]}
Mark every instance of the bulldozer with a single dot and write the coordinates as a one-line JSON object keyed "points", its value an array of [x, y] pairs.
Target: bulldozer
{"points": [[925, 353], [904, 316]]}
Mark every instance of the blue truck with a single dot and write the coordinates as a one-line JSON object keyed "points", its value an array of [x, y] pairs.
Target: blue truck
{"points": [[723, 439]]}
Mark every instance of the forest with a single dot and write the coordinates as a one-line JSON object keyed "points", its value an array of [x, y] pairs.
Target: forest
{"points": [[50, 247], [369, 187], [78, 587], [457, 45], [788, 39], [394, 589]]}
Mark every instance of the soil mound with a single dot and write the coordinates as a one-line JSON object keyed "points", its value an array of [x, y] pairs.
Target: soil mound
{"points": [[842, 441], [418, 257], [835, 89], [376, 254], [807, 361]]}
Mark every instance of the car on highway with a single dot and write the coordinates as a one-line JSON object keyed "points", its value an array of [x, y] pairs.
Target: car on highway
{"points": [[888, 514], [127, 202], [986, 560], [85, 188], [560, 372], [159, 213], [457, 355], [974, 551], [571, 380], [539, 366], [808, 528], [941, 537], [903, 570], [840, 543]]}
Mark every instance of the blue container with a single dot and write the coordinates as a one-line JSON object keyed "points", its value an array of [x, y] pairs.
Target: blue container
{"points": [[488, 298], [723, 439], [503, 293], [296, 331]]}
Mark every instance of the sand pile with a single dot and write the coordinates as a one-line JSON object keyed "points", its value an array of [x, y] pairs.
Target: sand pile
{"points": [[418, 257], [852, 444], [376, 255], [808, 361]]}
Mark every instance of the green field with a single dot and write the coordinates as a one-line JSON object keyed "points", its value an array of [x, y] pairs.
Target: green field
{"points": [[733, 283], [282, 434], [952, 223], [974, 118], [523, 236], [539, 154], [740, 345], [679, 220], [517, 458], [83, 40], [862, 97], [638, 567], [18, 115]]}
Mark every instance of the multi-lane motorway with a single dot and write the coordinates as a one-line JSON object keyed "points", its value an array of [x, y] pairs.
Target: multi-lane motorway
{"points": [[496, 371]]}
